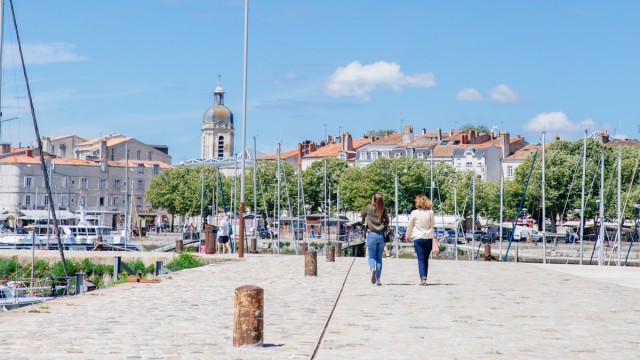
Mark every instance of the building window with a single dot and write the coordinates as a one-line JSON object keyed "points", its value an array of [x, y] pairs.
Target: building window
{"points": [[27, 199], [363, 156], [45, 200], [343, 156], [469, 162], [128, 152], [374, 155], [84, 183], [140, 184], [117, 184], [150, 157], [64, 200], [28, 181], [220, 146], [138, 155], [156, 169], [113, 154], [65, 182], [140, 168], [139, 201], [103, 183], [510, 171], [420, 155], [82, 200], [397, 155], [115, 201], [101, 201]]}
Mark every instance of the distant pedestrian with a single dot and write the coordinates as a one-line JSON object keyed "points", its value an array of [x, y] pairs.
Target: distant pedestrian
{"points": [[420, 232], [376, 220], [223, 235]]}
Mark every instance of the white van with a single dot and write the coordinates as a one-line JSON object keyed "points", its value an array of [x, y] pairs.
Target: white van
{"points": [[523, 233]]}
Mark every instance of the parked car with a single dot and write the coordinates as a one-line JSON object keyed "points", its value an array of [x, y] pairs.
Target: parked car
{"points": [[474, 235]]}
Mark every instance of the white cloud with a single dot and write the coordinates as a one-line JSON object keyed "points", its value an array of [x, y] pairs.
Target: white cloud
{"points": [[359, 80], [556, 122], [469, 94], [50, 53], [502, 94]]}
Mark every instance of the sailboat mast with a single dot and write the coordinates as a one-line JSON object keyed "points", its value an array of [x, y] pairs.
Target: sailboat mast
{"points": [[619, 236], [544, 222], [602, 232], [584, 173], [126, 188], [473, 215], [255, 189], [501, 207], [395, 235], [279, 211]]}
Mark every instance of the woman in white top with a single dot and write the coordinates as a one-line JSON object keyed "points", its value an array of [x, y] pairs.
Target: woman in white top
{"points": [[420, 232]]}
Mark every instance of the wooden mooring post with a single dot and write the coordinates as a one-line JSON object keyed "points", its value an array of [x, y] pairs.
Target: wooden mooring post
{"points": [[248, 316], [338, 249], [331, 253], [311, 263], [179, 245]]}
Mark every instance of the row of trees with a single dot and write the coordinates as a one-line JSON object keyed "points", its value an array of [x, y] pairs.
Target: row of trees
{"points": [[179, 190]]}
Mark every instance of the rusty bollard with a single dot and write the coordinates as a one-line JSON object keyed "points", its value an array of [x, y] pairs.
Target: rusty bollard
{"points": [[311, 263], [338, 249], [179, 246], [253, 246], [331, 253], [487, 252], [303, 247], [248, 316]]}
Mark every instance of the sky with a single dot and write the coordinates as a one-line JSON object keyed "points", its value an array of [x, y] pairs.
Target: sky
{"points": [[147, 68]]}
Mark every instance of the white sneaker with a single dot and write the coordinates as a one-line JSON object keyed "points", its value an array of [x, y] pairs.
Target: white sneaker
{"points": [[378, 283]]}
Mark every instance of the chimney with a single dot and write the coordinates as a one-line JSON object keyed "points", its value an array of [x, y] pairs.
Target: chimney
{"points": [[5, 149], [504, 144], [46, 144], [556, 138], [103, 148], [329, 140], [464, 138], [29, 153], [604, 137], [439, 134], [312, 147], [492, 134], [472, 136], [299, 155], [407, 134], [347, 142], [451, 132], [424, 131]]}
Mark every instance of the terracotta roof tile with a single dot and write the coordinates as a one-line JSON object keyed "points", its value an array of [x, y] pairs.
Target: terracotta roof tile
{"points": [[333, 150], [284, 155]]}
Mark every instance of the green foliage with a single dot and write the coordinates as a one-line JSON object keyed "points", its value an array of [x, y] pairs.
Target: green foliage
{"points": [[480, 128], [184, 261], [313, 181]]}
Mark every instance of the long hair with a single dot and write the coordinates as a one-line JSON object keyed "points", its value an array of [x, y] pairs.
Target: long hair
{"points": [[378, 204]]}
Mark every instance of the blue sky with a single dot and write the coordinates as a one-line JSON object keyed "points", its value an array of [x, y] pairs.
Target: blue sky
{"points": [[147, 68]]}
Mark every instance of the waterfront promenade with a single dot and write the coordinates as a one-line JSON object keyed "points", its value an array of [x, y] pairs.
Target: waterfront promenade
{"points": [[470, 310]]}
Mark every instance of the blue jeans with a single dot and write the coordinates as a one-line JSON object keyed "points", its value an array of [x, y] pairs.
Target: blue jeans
{"points": [[423, 249], [375, 246]]}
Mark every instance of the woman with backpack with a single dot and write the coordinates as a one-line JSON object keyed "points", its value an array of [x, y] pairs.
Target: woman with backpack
{"points": [[376, 221]]}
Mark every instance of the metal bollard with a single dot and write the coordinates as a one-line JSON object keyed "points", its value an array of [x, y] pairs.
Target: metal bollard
{"points": [[303, 247], [79, 283], [487, 252], [116, 267], [338, 249], [311, 263], [159, 265], [331, 253], [179, 246], [253, 246], [248, 316]]}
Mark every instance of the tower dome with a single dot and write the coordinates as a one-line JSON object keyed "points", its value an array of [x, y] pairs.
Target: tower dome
{"points": [[218, 113]]}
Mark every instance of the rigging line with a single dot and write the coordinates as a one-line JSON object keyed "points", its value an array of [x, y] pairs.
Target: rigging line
{"points": [[524, 193], [633, 174], [335, 304], [571, 186], [45, 169], [264, 200]]}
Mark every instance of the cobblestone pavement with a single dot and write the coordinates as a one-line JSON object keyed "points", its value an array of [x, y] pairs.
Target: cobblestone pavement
{"points": [[469, 310]]}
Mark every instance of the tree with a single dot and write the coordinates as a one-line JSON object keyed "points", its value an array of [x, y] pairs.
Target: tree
{"points": [[481, 128], [313, 181]]}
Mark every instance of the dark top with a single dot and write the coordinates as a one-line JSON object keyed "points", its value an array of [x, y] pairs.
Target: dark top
{"points": [[371, 221]]}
